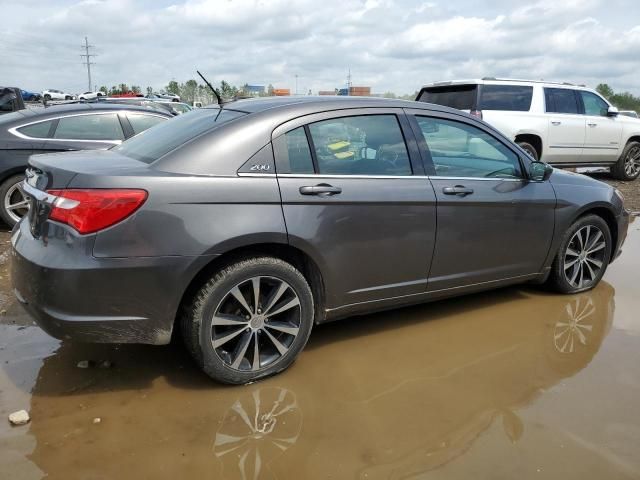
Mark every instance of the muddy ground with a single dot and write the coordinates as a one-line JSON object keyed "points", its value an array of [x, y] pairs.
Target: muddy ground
{"points": [[510, 384]]}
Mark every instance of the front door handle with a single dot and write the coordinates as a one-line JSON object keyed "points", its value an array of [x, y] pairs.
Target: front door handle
{"points": [[322, 189], [592, 124], [556, 123], [459, 190]]}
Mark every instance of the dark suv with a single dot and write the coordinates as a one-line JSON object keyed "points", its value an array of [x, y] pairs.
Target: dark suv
{"points": [[61, 128], [247, 225]]}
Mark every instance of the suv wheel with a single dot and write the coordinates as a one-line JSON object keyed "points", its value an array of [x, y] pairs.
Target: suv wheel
{"points": [[47, 97], [583, 256], [530, 149], [628, 166], [14, 204], [249, 321]]}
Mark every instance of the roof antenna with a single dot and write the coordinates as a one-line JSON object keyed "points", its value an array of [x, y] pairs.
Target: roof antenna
{"points": [[215, 92]]}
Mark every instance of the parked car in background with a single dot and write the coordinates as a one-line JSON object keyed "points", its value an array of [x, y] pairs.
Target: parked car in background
{"points": [[244, 226], [177, 107], [30, 96], [560, 123], [166, 96], [53, 94], [91, 95], [10, 100], [61, 128], [629, 113]]}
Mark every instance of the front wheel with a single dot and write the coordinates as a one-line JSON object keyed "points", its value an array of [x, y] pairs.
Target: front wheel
{"points": [[14, 204], [628, 165], [249, 321], [583, 256]]}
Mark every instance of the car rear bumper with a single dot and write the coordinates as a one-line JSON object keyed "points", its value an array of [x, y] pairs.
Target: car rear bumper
{"points": [[73, 295]]}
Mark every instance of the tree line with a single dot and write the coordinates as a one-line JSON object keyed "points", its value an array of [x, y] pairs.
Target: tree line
{"points": [[622, 100]]}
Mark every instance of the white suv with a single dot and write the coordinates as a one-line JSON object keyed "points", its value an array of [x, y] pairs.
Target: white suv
{"points": [[560, 123]]}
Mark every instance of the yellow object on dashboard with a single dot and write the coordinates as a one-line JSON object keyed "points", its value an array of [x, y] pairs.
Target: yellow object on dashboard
{"points": [[338, 145], [343, 155]]}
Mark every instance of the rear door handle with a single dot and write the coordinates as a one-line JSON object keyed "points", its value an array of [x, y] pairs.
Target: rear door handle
{"points": [[323, 189], [556, 123], [459, 190], [592, 124]]}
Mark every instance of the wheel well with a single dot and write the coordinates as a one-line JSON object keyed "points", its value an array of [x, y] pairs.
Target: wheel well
{"points": [[534, 140], [610, 219], [303, 262], [635, 138]]}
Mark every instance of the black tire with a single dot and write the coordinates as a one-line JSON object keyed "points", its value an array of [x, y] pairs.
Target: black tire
{"points": [[68, 97], [628, 165], [560, 281], [530, 149], [47, 97], [196, 319], [5, 187]]}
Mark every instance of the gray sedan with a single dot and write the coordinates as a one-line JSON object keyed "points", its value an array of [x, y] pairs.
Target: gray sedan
{"points": [[246, 225]]}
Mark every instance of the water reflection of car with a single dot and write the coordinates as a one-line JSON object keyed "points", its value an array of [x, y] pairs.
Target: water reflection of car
{"points": [[450, 372]]}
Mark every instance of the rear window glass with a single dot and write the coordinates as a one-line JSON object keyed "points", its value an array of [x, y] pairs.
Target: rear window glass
{"points": [[515, 98], [462, 97], [156, 142]]}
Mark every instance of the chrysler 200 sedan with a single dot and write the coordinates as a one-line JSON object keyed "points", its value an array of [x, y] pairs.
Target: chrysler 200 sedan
{"points": [[246, 225]]}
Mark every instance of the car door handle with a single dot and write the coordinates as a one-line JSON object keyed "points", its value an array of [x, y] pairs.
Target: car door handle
{"points": [[556, 123], [323, 189], [592, 124], [459, 190]]}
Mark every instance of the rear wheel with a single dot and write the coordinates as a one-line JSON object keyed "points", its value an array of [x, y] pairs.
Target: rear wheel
{"points": [[47, 97], [14, 203], [530, 149], [583, 256], [628, 165], [249, 321]]}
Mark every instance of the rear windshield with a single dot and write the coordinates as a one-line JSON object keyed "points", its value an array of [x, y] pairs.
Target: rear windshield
{"points": [[462, 97], [515, 98], [156, 142]]}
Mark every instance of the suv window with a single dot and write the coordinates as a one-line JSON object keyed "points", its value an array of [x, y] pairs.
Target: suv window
{"points": [[360, 145], [293, 153], [90, 127], [461, 150], [593, 104], [462, 97], [560, 100], [515, 98], [37, 130], [140, 122]]}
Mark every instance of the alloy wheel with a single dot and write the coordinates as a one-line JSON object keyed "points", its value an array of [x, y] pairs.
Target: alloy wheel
{"points": [[632, 162], [16, 204], [256, 323], [584, 256]]}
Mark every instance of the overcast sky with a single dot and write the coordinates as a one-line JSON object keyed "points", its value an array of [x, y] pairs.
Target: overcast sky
{"points": [[393, 45]]}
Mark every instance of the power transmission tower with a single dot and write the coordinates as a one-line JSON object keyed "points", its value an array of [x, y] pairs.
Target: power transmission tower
{"points": [[87, 56]]}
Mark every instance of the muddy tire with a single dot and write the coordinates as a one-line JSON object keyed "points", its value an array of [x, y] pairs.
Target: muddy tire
{"points": [[628, 165], [250, 320], [11, 196], [583, 256], [530, 149]]}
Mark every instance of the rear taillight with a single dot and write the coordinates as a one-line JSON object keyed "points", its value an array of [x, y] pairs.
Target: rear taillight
{"points": [[91, 210], [476, 113]]}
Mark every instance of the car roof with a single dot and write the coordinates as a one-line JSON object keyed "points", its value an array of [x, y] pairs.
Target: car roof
{"points": [[503, 81]]}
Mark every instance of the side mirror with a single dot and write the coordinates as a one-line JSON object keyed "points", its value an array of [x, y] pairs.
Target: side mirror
{"points": [[540, 171], [612, 111]]}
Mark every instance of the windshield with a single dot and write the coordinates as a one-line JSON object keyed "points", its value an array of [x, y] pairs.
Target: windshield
{"points": [[157, 141]]}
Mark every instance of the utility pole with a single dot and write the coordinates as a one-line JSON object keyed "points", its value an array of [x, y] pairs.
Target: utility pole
{"points": [[296, 83], [349, 82], [87, 56]]}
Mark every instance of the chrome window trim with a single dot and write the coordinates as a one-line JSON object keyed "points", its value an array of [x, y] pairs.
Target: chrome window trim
{"points": [[380, 177], [14, 130]]}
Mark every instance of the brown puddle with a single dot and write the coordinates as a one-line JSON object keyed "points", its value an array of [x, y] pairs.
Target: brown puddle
{"points": [[509, 384]]}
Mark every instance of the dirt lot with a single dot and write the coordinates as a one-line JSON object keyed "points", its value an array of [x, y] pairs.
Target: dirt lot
{"points": [[510, 384], [630, 190]]}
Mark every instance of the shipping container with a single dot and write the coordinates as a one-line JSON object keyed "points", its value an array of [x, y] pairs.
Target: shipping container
{"points": [[360, 91], [281, 92], [327, 92]]}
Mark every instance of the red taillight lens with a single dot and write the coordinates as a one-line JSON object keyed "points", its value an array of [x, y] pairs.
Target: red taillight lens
{"points": [[90, 210]]}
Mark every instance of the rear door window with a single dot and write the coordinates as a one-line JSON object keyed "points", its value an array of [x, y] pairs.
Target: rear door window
{"points": [[90, 127], [360, 145], [560, 100], [515, 98], [462, 97]]}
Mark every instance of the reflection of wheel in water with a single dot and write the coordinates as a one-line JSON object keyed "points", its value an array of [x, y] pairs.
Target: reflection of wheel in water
{"points": [[255, 430], [576, 327]]}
